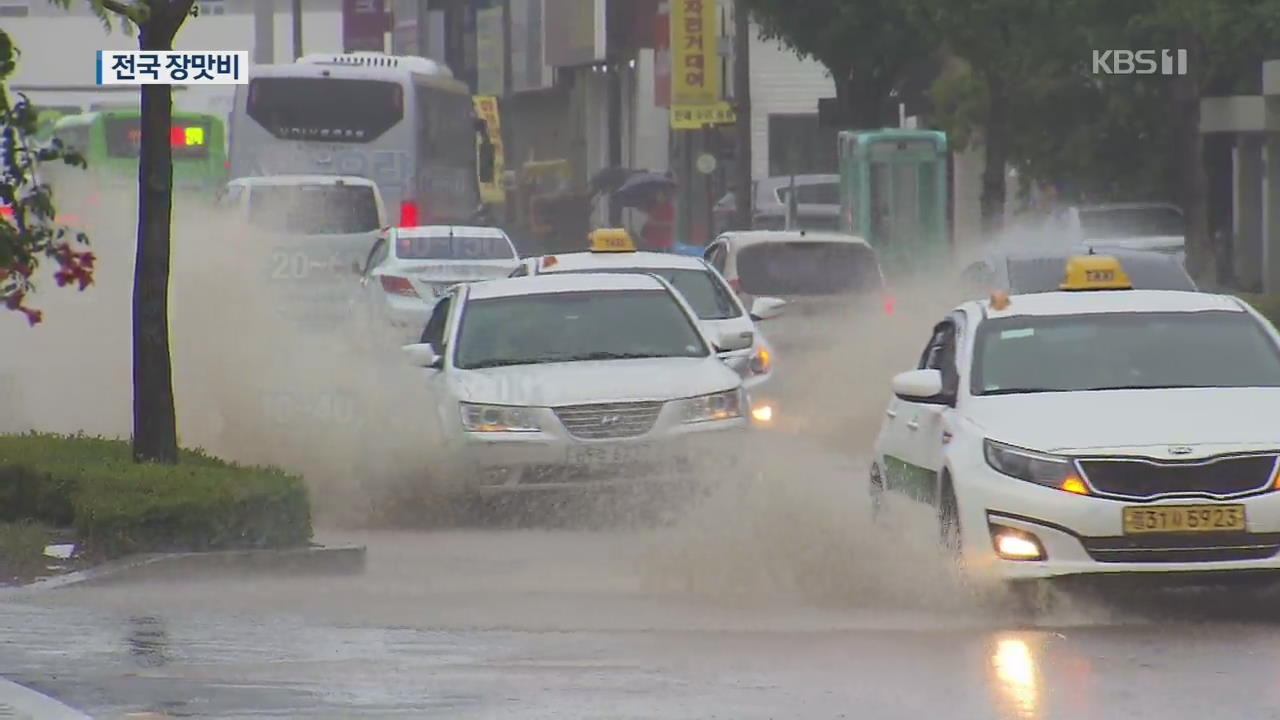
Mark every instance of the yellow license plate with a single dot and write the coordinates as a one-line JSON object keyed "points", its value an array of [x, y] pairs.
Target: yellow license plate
{"points": [[1183, 519]]}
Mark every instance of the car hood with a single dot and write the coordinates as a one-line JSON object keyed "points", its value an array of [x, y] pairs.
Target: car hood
{"points": [[1209, 420], [455, 270], [597, 381]]}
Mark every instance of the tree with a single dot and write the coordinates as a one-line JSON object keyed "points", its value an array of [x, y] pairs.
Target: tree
{"points": [[28, 229], [155, 435], [1009, 47], [866, 45]]}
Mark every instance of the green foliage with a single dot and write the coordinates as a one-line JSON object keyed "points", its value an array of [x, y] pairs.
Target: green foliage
{"points": [[120, 507], [22, 546]]}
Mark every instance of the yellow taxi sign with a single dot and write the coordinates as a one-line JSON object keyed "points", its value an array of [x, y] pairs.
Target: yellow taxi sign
{"points": [[611, 240], [999, 300], [1095, 272]]}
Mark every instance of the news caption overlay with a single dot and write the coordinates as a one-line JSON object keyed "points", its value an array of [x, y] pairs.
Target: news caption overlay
{"points": [[173, 67]]}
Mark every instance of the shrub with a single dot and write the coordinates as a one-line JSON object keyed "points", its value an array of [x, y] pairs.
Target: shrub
{"points": [[22, 546], [119, 507]]}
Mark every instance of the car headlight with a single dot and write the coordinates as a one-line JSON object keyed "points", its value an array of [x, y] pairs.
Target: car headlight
{"points": [[1039, 468], [717, 406], [498, 418], [761, 362]]}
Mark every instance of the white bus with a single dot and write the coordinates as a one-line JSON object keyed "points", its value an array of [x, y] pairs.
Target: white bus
{"points": [[404, 122]]}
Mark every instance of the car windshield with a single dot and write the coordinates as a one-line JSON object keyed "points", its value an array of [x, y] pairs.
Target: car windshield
{"points": [[1045, 274], [808, 268], [454, 247], [704, 293], [575, 326], [1110, 223], [317, 209], [1114, 351]]}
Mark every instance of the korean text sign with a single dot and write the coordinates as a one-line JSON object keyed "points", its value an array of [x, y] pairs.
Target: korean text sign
{"points": [[695, 62], [173, 67]]}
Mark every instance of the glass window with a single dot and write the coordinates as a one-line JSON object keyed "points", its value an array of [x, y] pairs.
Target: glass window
{"points": [[325, 109], [575, 326], [1109, 351], [454, 247], [433, 333], [808, 268], [314, 209], [188, 139], [1131, 222], [707, 296]]}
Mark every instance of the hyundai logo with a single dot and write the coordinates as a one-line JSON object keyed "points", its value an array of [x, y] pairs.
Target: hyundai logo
{"points": [[1180, 450], [610, 420]]}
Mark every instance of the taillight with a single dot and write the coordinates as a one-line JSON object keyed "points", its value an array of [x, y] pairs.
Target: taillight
{"points": [[408, 214], [889, 305], [394, 285]]}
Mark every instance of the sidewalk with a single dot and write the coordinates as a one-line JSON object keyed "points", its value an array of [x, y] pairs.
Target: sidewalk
{"points": [[22, 703]]}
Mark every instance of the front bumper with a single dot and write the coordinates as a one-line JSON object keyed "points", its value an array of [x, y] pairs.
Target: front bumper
{"points": [[554, 459], [1084, 535]]}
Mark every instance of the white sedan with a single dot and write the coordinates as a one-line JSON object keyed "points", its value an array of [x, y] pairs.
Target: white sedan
{"points": [[539, 384], [707, 292], [1093, 433], [409, 268]]}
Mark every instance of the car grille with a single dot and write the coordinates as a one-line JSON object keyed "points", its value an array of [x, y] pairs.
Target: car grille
{"points": [[1147, 479], [610, 420], [1198, 547]]}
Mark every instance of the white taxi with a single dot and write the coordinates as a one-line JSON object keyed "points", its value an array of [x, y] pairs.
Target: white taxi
{"points": [[1095, 430], [540, 385], [716, 305]]}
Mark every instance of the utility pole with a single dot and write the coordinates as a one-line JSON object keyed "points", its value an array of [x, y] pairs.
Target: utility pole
{"points": [[297, 29], [742, 102], [264, 32]]}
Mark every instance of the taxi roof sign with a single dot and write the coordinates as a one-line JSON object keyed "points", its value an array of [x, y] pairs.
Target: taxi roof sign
{"points": [[611, 240], [1095, 272]]}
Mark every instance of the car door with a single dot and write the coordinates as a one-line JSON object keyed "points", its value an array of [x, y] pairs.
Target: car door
{"points": [[912, 428], [932, 429]]}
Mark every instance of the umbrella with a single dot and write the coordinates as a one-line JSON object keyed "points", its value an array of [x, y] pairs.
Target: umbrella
{"points": [[639, 188]]}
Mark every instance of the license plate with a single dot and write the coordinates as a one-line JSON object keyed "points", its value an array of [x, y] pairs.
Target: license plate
{"points": [[597, 455], [1183, 519]]}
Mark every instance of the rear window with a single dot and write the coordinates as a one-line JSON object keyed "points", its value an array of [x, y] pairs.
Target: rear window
{"points": [[188, 139], [1131, 222], [812, 193], [808, 268], [454, 247], [325, 109], [1034, 275], [803, 221], [314, 209]]}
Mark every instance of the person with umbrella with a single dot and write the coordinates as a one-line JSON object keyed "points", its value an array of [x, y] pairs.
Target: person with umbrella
{"points": [[651, 192]]}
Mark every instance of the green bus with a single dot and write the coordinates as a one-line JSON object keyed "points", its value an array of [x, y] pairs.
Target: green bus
{"points": [[110, 141], [894, 193]]}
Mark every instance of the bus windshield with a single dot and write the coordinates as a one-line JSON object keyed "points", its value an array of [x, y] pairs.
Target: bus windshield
{"points": [[325, 109]]}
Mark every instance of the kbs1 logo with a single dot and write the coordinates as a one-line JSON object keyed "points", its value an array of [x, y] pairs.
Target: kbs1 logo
{"points": [[1139, 62]]}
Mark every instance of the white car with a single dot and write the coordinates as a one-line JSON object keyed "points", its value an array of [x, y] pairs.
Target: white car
{"points": [[1109, 432], [714, 302], [314, 227], [410, 268], [539, 385], [1159, 227]]}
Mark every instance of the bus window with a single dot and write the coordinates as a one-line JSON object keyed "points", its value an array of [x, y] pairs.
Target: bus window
{"points": [[325, 109], [188, 140]]}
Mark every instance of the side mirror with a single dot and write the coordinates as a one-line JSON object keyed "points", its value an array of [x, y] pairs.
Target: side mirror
{"points": [[766, 308], [424, 355], [733, 340], [923, 386]]}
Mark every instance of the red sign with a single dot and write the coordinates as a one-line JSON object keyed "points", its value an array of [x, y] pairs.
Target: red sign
{"points": [[364, 23], [662, 57]]}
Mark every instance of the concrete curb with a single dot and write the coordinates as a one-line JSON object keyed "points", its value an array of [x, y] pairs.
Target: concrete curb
{"points": [[315, 560], [23, 703]]}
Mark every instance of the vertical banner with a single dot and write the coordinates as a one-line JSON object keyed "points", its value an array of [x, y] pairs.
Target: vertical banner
{"points": [[364, 24], [662, 56], [695, 63], [492, 193]]}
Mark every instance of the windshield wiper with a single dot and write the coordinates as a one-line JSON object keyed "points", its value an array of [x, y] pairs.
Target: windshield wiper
{"points": [[1138, 387], [602, 355], [1023, 391], [500, 363]]}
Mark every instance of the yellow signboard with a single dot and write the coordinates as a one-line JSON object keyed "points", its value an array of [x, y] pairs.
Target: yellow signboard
{"points": [[491, 193], [694, 117], [695, 62]]}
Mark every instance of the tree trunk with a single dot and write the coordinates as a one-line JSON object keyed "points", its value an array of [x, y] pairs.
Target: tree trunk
{"points": [[1189, 145], [155, 436], [996, 149]]}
